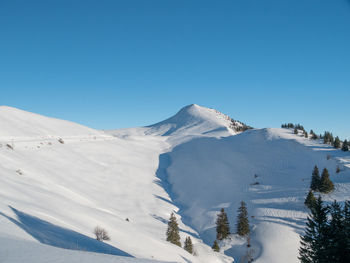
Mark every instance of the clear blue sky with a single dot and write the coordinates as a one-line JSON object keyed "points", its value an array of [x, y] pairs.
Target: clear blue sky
{"points": [[113, 64]]}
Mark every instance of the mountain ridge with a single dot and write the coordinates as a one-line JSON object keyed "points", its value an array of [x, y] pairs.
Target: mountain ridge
{"points": [[19, 123], [197, 119]]}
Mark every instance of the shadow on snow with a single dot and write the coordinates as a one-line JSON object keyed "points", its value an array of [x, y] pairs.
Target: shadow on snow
{"points": [[53, 235]]}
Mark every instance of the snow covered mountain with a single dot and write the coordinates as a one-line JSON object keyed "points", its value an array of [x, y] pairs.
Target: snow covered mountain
{"points": [[191, 121], [54, 192], [195, 120]]}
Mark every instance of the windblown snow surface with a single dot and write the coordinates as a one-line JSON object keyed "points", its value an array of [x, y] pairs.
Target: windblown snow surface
{"points": [[59, 180]]}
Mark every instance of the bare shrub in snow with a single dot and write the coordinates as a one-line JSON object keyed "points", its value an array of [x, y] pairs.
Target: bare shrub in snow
{"points": [[101, 234]]}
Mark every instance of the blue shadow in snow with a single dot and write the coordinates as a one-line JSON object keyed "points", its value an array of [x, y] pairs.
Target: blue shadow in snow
{"points": [[57, 236], [161, 173]]}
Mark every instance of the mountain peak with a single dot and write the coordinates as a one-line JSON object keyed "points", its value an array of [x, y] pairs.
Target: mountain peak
{"points": [[198, 120]]}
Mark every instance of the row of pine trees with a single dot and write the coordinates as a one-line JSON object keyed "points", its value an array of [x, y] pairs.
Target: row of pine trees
{"points": [[327, 233], [321, 184], [223, 226], [173, 236], [222, 229], [327, 137]]}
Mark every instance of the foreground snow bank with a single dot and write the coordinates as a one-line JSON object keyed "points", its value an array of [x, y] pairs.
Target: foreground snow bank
{"points": [[19, 251]]}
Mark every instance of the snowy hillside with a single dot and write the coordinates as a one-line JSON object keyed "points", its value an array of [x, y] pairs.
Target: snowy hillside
{"points": [[129, 181], [194, 120], [191, 121], [18, 123], [18, 251], [56, 193], [269, 169]]}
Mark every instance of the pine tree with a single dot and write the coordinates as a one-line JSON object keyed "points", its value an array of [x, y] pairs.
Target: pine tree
{"points": [[314, 241], [295, 131], [336, 142], [242, 220], [345, 146], [326, 184], [222, 225], [216, 247], [338, 169], [188, 245], [310, 200], [328, 138], [306, 135], [172, 232], [315, 179], [346, 229], [336, 235]]}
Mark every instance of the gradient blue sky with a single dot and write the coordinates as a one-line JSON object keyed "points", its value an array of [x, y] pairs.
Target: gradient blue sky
{"points": [[114, 64]]}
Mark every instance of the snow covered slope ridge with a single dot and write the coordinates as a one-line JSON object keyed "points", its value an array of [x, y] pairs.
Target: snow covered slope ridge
{"points": [[18, 123], [194, 164], [191, 121], [194, 119], [269, 169], [56, 192]]}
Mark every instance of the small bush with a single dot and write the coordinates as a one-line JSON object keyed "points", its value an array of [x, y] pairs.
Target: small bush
{"points": [[101, 234], [60, 140]]}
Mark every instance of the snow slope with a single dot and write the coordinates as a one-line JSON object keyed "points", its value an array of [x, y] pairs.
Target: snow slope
{"points": [[19, 123], [56, 193], [19, 251], [269, 169], [194, 163]]}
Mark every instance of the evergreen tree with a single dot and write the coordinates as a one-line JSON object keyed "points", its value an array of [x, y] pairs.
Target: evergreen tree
{"points": [[172, 233], [306, 135], [338, 169], [188, 245], [326, 184], [222, 225], [328, 138], [313, 135], [295, 131], [346, 229], [310, 200], [216, 247], [345, 146], [242, 220], [315, 179], [336, 235], [314, 241], [336, 142]]}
